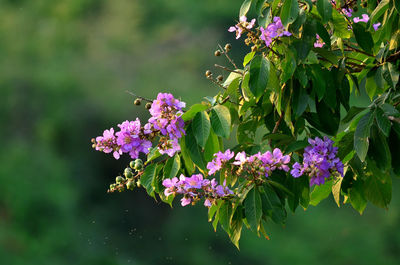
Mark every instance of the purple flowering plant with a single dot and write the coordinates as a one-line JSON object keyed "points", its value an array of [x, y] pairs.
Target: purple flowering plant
{"points": [[281, 133]]}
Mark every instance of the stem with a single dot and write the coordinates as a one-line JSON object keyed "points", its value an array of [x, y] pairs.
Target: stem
{"points": [[142, 98], [227, 69], [357, 50], [227, 56]]}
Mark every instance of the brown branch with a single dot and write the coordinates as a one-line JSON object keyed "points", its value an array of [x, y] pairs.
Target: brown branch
{"points": [[357, 50], [227, 69], [227, 56], [142, 98]]}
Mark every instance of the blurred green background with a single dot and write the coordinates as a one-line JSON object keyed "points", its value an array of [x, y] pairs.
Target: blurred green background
{"points": [[64, 68]]}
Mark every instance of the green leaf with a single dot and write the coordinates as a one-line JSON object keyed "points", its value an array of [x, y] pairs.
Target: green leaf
{"points": [[201, 127], [336, 190], [345, 145], [188, 115], [397, 6], [318, 83], [253, 208], [248, 58], [363, 37], [244, 8], [271, 205], [323, 33], [352, 113], [321, 192], [289, 12], [370, 85], [382, 121], [357, 197], [172, 167], [147, 179], [324, 8], [224, 213], [390, 74], [259, 74], [212, 146], [236, 226], [153, 154], [189, 166], [300, 100], [379, 11], [194, 149], [378, 149], [378, 186], [221, 120], [361, 135]]}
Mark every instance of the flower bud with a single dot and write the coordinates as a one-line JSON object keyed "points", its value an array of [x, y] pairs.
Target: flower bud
{"points": [[119, 179], [220, 78], [148, 105], [228, 47], [138, 183], [217, 53], [137, 101], [130, 185], [208, 73], [132, 164], [128, 172]]}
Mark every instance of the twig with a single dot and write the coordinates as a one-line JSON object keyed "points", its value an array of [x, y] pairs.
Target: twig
{"points": [[227, 56], [394, 119], [142, 98], [227, 69], [217, 83], [278, 122], [357, 50]]}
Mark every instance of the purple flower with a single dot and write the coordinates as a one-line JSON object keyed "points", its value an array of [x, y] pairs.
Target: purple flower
{"points": [[364, 18], [194, 182], [243, 24], [166, 118], [186, 201], [219, 158], [347, 11], [376, 26], [108, 143], [319, 161], [272, 31], [194, 188], [131, 140], [319, 43]]}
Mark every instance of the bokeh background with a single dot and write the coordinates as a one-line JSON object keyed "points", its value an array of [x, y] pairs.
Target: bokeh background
{"points": [[64, 68]]}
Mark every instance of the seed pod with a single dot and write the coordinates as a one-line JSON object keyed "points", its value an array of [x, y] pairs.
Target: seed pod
{"points": [[128, 172], [148, 105], [130, 185], [228, 47], [119, 179], [208, 73], [220, 78], [138, 183], [217, 53], [132, 164], [137, 101]]}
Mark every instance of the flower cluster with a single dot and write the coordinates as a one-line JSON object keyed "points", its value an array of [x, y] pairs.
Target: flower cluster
{"points": [[319, 161], [346, 10], [263, 164], [107, 143], [319, 43], [217, 163], [132, 138], [241, 26], [258, 164], [166, 114], [273, 30], [195, 188]]}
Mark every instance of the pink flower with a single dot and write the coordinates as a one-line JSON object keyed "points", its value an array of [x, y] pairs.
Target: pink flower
{"points": [[376, 26], [364, 18]]}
